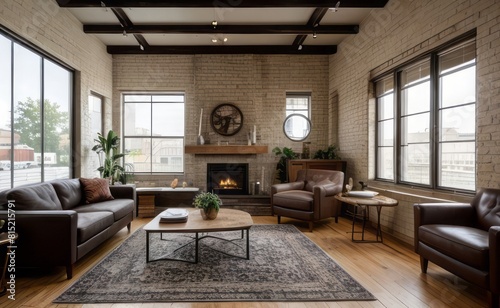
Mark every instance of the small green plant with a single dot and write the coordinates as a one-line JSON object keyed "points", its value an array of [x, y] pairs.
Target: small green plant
{"points": [[329, 153], [206, 201], [281, 168]]}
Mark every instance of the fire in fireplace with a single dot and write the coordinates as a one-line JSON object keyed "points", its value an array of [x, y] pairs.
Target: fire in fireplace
{"points": [[227, 179]]}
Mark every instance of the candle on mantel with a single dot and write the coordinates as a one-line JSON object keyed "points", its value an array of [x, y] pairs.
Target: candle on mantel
{"points": [[262, 180], [254, 134], [201, 116]]}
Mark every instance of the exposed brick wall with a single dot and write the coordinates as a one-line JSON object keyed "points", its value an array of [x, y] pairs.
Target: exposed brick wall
{"points": [[257, 84], [59, 33], [398, 33]]}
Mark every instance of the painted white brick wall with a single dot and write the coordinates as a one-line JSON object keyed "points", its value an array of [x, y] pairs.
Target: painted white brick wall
{"points": [[257, 84], [401, 31]]}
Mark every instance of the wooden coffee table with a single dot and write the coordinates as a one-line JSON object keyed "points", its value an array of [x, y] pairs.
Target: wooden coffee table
{"points": [[227, 220]]}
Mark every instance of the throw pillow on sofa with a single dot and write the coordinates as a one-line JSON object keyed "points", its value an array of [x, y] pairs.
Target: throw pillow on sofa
{"points": [[96, 190]]}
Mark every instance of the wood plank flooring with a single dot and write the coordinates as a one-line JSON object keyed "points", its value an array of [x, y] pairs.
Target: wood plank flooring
{"points": [[390, 271]]}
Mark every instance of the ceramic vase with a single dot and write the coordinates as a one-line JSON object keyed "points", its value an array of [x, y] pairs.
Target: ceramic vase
{"points": [[209, 214]]}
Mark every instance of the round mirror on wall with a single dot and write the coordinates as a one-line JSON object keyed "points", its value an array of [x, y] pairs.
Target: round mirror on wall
{"points": [[297, 127]]}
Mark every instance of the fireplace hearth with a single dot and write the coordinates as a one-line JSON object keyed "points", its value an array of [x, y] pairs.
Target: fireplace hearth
{"points": [[227, 178]]}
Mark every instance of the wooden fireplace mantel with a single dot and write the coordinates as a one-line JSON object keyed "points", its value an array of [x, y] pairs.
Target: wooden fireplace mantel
{"points": [[225, 149]]}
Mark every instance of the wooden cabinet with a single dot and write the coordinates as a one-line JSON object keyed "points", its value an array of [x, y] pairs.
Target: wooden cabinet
{"points": [[298, 164]]}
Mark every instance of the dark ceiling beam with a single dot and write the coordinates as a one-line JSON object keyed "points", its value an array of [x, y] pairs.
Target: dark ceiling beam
{"points": [[224, 49], [122, 17], [224, 3], [225, 29], [125, 22], [312, 23]]}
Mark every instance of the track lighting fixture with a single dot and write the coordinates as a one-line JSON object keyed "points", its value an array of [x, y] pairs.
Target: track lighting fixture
{"points": [[314, 35], [141, 47], [214, 24], [300, 47], [214, 40], [336, 8], [124, 33]]}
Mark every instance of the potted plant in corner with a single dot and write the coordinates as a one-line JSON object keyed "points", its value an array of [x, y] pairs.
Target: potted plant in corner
{"points": [[281, 167], [107, 149], [330, 153], [208, 203]]}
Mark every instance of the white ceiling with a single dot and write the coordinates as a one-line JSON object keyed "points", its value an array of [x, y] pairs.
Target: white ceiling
{"points": [[228, 16]]}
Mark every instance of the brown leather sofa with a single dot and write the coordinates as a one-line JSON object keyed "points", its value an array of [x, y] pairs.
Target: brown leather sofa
{"points": [[310, 198], [463, 239], [55, 225]]}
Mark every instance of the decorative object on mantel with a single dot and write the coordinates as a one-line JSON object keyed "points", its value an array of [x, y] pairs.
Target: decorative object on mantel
{"points": [[226, 119], [208, 203], [174, 183], [281, 167], [200, 140], [329, 153], [226, 149]]}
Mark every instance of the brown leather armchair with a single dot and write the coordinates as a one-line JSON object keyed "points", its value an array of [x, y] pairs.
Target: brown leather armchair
{"points": [[310, 198], [463, 238]]}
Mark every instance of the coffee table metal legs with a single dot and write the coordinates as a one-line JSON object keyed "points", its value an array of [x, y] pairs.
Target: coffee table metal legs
{"points": [[197, 239]]}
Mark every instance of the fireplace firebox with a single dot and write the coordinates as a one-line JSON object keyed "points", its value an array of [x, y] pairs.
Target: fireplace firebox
{"points": [[227, 179]]}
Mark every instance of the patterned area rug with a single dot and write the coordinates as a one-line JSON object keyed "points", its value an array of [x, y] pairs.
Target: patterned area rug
{"points": [[284, 265]]}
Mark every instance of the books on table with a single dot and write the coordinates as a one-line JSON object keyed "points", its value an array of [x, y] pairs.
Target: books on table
{"points": [[174, 215]]}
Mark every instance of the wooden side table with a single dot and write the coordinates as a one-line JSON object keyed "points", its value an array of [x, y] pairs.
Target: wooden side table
{"points": [[362, 210]]}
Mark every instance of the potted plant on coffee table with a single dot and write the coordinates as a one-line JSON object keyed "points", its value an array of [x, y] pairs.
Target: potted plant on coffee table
{"points": [[208, 203]]}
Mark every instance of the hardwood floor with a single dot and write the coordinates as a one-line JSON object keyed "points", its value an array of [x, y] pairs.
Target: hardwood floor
{"points": [[390, 271]]}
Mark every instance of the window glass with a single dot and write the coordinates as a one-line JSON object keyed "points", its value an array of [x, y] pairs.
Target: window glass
{"points": [[27, 116], [429, 101], [385, 128], [5, 112], [457, 114], [37, 94], [458, 88], [154, 132], [56, 107], [298, 103]]}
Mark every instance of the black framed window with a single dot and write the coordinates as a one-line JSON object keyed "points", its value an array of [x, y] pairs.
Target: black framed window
{"points": [[426, 132], [36, 99], [298, 102], [153, 129]]}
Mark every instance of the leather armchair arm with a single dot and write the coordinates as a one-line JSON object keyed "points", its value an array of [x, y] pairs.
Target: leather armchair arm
{"points": [[327, 190], [494, 241], [276, 188], [46, 237], [443, 213]]}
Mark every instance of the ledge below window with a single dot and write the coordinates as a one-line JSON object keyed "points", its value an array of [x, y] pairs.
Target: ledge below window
{"points": [[225, 149]]}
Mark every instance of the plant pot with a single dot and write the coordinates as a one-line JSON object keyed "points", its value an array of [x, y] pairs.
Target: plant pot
{"points": [[209, 214]]}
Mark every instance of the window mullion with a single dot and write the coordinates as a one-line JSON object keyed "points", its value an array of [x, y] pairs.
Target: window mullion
{"points": [[397, 127], [434, 125]]}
